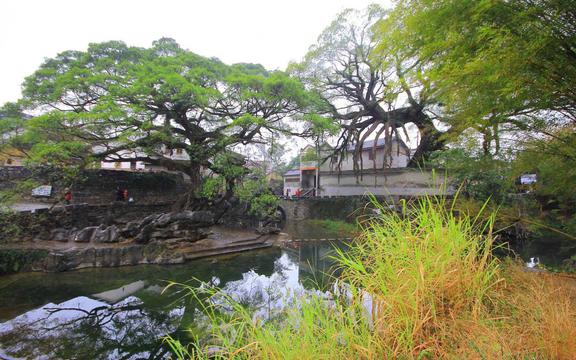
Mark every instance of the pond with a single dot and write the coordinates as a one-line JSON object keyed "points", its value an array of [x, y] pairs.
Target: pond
{"points": [[123, 312]]}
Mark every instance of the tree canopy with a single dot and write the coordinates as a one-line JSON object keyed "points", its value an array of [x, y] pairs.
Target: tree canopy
{"points": [[368, 94], [115, 102], [493, 65]]}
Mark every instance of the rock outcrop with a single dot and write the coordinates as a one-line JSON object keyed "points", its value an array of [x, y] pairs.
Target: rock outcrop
{"points": [[160, 238], [186, 226]]}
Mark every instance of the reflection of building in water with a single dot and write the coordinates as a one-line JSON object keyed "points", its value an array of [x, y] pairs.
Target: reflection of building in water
{"points": [[115, 295], [317, 263], [315, 259]]}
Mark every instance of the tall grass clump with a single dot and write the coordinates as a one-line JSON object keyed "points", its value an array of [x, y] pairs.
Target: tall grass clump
{"points": [[421, 284], [430, 274]]}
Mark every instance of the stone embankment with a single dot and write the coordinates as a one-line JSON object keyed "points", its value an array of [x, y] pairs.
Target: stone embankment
{"points": [[68, 238]]}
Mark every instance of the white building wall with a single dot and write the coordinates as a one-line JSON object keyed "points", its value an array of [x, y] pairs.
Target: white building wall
{"points": [[400, 158], [175, 154], [385, 182], [291, 185], [121, 165]]}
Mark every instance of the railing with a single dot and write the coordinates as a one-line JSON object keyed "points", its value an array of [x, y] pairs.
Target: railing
{"points": [[308, 193]]}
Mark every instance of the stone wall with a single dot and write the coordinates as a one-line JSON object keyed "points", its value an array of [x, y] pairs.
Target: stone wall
{"points": [[10, 175], [346, 208], [99, 186], [38, 225]]}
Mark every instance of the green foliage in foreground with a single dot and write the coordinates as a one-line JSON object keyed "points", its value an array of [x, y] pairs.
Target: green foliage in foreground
{"points": [[491, 62], [420, 286]]}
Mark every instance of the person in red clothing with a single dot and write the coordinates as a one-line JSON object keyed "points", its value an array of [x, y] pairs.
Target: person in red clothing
{"points": [[125, 194], [67, 196], [298, 193]]}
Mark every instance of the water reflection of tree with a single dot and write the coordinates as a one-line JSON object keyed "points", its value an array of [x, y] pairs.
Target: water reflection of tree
{"points": [[136, 329], [125, 331], [133, 329]]}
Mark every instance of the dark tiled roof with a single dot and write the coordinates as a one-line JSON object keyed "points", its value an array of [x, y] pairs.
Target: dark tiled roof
{"points": [[293, 172]]}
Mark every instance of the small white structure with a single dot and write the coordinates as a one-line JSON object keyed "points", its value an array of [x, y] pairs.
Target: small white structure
{"points": [[528, 179], [534, 262], [42, 191]]}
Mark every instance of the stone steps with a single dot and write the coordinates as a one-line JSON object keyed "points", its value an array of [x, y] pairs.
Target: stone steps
{"points": [[252, 240], [232, 248]]}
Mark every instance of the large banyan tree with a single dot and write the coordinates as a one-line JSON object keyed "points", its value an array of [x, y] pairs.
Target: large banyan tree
{"points": [[115, 103], [371, 93]]}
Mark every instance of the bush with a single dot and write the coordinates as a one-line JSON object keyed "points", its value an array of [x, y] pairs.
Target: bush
{"points": [[480, 177], [255, 192], [212, 187]]}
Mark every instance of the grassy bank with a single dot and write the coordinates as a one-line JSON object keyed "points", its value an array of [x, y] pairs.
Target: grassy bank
{"points": [[335, 228], [414, 287]]}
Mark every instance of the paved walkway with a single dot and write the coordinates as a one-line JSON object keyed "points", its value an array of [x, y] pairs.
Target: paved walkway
{"points": [[29, 206]]}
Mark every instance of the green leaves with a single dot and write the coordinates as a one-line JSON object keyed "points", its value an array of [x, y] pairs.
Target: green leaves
{"points": [[118, 99], [320, 125], [479, 177], [554, 161], [255, 192], [486, 58], [246, 120]]}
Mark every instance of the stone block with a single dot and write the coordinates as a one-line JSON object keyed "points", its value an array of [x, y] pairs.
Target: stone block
{"points": [[110, 234], [130, 229], [190, 218], [84, 235], [60, 235]]}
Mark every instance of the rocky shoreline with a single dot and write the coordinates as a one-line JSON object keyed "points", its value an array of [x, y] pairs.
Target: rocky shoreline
{"points": [[51, 256], [158, 238]]}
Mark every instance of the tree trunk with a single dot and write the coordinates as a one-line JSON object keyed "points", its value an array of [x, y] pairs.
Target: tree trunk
{"points": [[429, 141], [230, 184], [190, 197], [195, 174]]}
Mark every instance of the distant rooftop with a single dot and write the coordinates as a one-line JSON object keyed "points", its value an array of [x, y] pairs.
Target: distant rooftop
{"points": [[293, 172]]}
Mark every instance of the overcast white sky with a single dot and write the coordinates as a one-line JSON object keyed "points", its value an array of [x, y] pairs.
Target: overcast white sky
{"points": [[267, 32]]}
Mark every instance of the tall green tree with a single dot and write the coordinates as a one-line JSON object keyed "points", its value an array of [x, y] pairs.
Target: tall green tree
{"points": [[115, 102], [12, 127], [494, 65]]}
